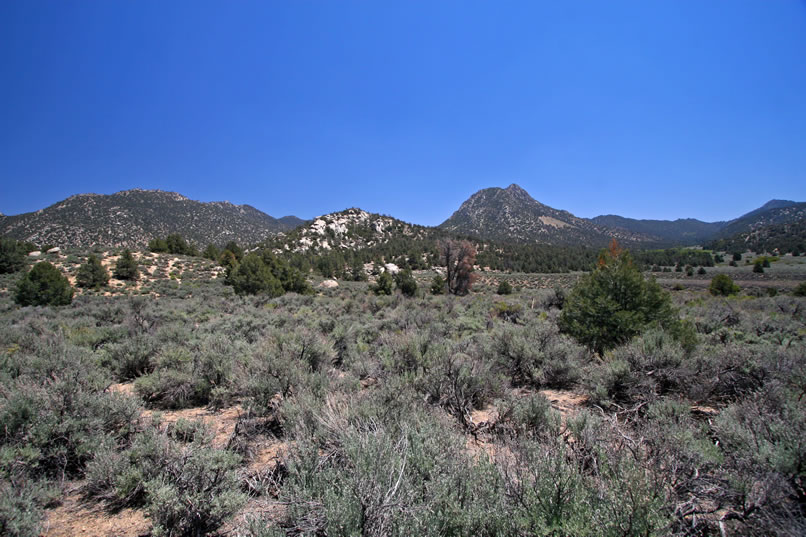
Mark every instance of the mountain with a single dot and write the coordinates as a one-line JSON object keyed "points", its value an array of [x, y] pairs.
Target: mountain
{"points": [[351, 229], [133, 217], [777, 212], [769, 206], [511, 214], [683, 231], [788, 237]]}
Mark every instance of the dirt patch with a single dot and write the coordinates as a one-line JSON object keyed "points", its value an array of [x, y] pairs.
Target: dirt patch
{"points": [[126, 388], [221, 423], [77, 518], [567, 403], [267, 456]]}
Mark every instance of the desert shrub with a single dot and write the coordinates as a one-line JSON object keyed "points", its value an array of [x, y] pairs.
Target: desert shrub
{"points": [[55, 413], [183, 377], [614, 303], [188, 487], [762, 438], [460, 384], [530, 416], [758, 267], [506, 311], [22, 506], [504, 288], [126, 267], [550, 493], [722, 285], [43, 285], [132, 357], [537, 355], [800, 290], [643, 370], [381, 472], [701, 271], [196, 491]]}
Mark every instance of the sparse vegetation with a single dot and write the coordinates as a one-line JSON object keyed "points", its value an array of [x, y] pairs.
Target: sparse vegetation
{"points": [[349, 412]]}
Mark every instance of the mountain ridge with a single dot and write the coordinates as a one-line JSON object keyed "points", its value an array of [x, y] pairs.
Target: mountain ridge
{"points": [[130, 218]]}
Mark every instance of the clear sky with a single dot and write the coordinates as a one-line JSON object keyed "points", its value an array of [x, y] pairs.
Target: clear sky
{"points": [[647, 109]]}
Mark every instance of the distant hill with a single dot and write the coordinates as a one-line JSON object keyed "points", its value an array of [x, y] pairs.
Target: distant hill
{"points": [[781, 212], [682, 232], [133, 217], [689, 231], [351, 229], [782, 228], [512, 215]]}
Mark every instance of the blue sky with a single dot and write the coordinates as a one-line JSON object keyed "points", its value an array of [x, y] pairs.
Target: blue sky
{"points": [[647, 109]]}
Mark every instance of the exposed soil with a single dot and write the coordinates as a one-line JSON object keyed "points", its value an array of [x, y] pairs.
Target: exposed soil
{"points": [[75, 517], [220, 422]]}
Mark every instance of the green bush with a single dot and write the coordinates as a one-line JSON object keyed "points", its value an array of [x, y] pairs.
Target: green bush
{"points": [[383, 286], [12, 256], [504, 288], [722, 285], [126, 267], [406, 282], [438, 285], [800, 290], [92, 274], [614, 303], [265, 274], [43, 285]]}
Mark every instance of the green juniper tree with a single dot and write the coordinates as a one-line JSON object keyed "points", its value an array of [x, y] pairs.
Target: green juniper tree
{"points": [[43, 285], [722, 285], [614, 303], [92, 274], [384, 284], [126, 267], [406, 282], [12, 256]]}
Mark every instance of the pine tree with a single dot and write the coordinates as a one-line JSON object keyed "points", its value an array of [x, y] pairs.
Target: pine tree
{"points": [[722, 285], [12, 256], [614, 303], [43, 285], [92, 274], [126, 267], [406, 283], [384, 284]]}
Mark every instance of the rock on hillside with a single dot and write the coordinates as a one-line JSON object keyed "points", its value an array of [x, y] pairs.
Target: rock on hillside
{"points": [[351, 229]]}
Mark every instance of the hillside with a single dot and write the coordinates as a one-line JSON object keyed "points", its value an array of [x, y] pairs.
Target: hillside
{"points": [[683, 231], [785, 238], [132, 217], [351, 229], [512, 215], [754, 220]]}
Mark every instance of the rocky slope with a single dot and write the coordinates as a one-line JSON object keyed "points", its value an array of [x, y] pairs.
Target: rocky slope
{"points": [[133, 217], [512, 215]]}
